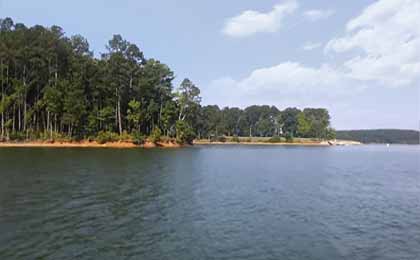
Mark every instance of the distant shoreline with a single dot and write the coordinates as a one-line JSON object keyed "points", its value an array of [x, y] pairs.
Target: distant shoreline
{"points": [[381, 136]]}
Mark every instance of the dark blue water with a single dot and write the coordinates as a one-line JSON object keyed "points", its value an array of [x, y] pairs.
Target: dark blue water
{"points": [[214, 202]]}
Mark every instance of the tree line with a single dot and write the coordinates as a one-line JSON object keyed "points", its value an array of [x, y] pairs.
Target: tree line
{"points": [[387, 136], [52, 86], [263, 121]]}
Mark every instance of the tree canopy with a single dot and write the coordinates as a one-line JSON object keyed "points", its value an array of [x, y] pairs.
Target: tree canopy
{"points": [[52, 85]]}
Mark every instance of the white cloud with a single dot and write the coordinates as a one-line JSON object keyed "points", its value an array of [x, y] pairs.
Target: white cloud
{"points": [[385, 39], [382, 48], [251, 22], [286, 83], [318, 14], [309, 46], [290, 75]]}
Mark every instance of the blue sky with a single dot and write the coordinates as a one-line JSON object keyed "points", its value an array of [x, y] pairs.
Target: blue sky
{"points": [[360, 59]]}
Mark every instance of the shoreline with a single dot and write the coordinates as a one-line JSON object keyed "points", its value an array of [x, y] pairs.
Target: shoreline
{"points": [[146, 145], [296, 143], [262, 143], [87, 144]]}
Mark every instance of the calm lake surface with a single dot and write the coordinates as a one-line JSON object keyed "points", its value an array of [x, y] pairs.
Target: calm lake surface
{"points": [[211, 202]]}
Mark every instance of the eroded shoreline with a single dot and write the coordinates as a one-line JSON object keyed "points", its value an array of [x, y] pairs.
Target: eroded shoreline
{"points": [[87, 144], [128, 145]]}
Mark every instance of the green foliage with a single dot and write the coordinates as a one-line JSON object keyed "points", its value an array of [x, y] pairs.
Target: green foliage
{"points": [[58, 85], [57, 89], [49, 136], [168, 117], [138, 138], [289, 117], [184, 133], [53, 99], [319, 121], [188, 97], [275, 139], [212, 118], [155, 135], [134, 113], [105, 137], [231, 120], [106, 117], [304, 125], [167, 139], [265, 127], [236, 139], [125, 137], [331, 134], [17, 136], [289, 138], [74, 107]]}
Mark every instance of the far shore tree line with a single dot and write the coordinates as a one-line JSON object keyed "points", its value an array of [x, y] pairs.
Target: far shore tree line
{"points": [[53, 87]]}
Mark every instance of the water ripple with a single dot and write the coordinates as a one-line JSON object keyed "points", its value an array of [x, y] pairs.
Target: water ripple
{"points": [[256, 203]]}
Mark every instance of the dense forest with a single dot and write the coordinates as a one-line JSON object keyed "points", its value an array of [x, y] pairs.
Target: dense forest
{"points": [[387, 136], [54, 87]]}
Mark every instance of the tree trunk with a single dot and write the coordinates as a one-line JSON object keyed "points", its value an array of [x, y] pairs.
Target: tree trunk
{"points": [[116, 108], [160, 114], [51, 131], [180, 113], [55, 123], [19, 117], [48, 121], [7, 84], [24, 98], [119, 116], [56, 70], [2, 100], [14, 118]]}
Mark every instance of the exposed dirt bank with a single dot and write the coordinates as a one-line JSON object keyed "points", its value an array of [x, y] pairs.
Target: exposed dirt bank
{"points": [[126, 144], [87, 144]]}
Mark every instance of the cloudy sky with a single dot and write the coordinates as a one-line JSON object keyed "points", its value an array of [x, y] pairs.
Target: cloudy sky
{"points": [[360, 58]]}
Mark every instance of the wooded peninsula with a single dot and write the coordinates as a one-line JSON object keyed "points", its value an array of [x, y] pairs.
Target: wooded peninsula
{"points": [[53, 88], [387, 136]]}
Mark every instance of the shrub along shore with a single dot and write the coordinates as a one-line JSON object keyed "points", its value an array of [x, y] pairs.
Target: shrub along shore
{"points": [[277, 140]]}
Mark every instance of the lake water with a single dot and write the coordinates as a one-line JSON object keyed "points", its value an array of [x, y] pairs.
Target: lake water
{"points": [[211, 202]]}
